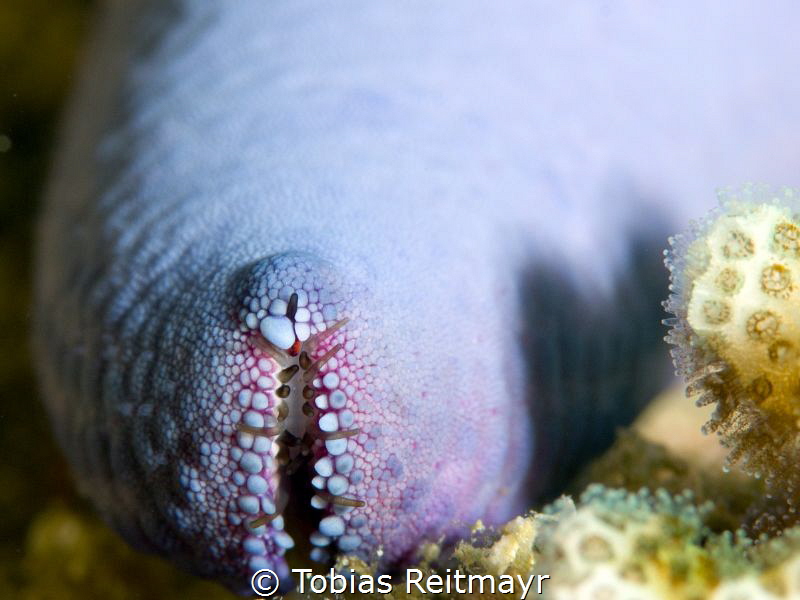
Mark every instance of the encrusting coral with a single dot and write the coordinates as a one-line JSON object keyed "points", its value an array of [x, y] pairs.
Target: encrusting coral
{"points": [[615, 544], [736, 330], [611, 543]]}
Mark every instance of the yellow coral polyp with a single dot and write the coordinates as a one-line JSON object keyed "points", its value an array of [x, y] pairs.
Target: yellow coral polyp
{"points": [[746, 305], [736, 332]]}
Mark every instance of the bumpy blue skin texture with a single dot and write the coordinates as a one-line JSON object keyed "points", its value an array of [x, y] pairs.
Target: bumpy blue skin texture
{"points": [[481, 190]]}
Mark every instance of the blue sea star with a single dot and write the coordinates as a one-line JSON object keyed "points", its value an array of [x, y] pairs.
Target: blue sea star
{"points": [[359, 276]]}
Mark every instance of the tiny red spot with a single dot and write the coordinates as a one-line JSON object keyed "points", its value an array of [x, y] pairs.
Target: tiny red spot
{"points": [[295, 349]]}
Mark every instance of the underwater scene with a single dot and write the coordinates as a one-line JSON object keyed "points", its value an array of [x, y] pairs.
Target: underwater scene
{"points": [[388, 300]]}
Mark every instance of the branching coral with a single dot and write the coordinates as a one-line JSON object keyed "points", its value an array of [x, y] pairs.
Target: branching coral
{"points": [[736, 331]]}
